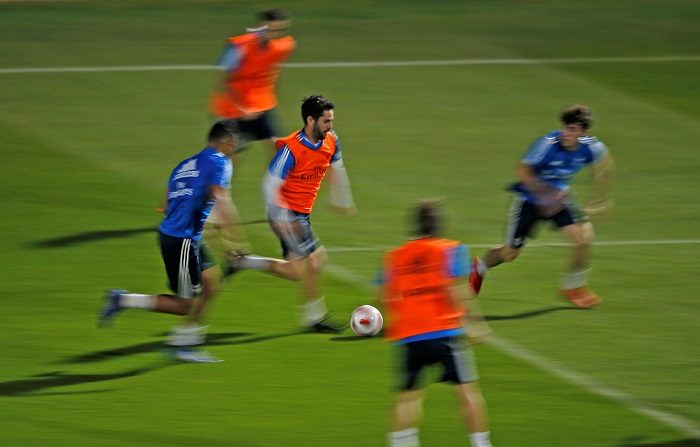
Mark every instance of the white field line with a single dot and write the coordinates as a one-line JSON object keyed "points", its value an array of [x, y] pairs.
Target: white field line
{"points": [[360, 64], [679, 423], [538, 245]]}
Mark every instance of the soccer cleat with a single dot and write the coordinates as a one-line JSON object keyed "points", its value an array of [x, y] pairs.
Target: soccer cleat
{"points": [[582, 297], [475, 278], [111, 307], [195, 356], [325, 327], [235, 263]]}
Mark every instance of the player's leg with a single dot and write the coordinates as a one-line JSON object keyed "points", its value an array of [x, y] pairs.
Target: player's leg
{"points": [[574, 282], [474, 413], [407, 410], [522, 219], [178, 255], [459, 367]]}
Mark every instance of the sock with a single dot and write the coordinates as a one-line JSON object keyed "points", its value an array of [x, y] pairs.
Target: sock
{"points": [[481, 267], [254, 262], [313, 311], [480, 439], [404, 438], [187, 335], [574, 280], [137, 301]]}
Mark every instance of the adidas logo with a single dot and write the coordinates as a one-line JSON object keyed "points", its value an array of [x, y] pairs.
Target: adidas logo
{"points": [[189, 166], [189, 169]]}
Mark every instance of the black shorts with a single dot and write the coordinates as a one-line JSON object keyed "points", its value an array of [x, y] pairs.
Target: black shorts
{"points": [[184, 261], [524, 216], [458, 365], [262, 127]]}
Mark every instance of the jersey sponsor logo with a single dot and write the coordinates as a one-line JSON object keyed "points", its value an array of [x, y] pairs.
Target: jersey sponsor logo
{"points": [[180, 193], [187, 170], [318, 173]]}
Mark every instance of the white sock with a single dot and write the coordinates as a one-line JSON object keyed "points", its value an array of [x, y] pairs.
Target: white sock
{"points": [[481, 267], [255, 262], [187, 335], [574, 280], [313, 311], [404, 438], [480, 439], [137, 301]]}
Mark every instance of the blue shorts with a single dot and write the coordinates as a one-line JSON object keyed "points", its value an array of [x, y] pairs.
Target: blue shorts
{"points": [[294, 232]]}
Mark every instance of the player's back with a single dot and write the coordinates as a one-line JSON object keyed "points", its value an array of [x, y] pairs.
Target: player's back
{"points": [[416, 289], [188, 197]]}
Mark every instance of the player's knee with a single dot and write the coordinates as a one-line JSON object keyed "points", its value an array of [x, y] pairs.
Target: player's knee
{"points": [[588, 233]]}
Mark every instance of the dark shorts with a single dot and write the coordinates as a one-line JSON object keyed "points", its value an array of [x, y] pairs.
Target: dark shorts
{"points": [[294, 232], [184, 261], [455, 357], [260, 128], [524, 216]]}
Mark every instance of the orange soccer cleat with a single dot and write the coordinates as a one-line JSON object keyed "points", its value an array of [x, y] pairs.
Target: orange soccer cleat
{"points": [[582, 297], [475, 278]]}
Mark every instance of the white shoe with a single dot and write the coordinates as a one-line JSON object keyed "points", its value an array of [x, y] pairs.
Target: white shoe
{"points": [[195, 356]]}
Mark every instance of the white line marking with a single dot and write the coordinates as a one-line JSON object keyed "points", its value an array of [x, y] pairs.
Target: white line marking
{"points": [[507, 347], [680, 423], [360, 64], [537, 245]]}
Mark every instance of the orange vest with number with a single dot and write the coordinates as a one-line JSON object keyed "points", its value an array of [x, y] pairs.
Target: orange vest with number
{"points": [[303, 181], [252, 84], [416, 290]]}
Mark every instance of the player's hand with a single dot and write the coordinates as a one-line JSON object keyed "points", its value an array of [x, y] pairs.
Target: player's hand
{"points": [[160, 209]]}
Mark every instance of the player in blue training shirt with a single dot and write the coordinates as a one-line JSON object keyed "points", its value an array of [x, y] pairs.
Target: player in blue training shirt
{"points": [[195, 185], [542, 193]]}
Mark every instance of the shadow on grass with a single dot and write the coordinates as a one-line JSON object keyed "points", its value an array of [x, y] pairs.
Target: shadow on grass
{"points": [[532, 313], [678, 443], [88, 236], [92, 236], [55, 379], [220, 339]]}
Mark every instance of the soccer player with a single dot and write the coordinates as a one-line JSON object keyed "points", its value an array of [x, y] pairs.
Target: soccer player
{"points": [[424, 299], [542, 194], [251, 63], [291, 186], [194, 186]]}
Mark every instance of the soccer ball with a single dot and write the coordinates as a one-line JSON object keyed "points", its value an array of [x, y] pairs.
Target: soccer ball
{"points": [[366, 321]]}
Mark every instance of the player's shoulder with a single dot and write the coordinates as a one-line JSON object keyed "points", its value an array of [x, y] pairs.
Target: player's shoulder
{"points": [[593, 144], [333, 136], [244, 39]]}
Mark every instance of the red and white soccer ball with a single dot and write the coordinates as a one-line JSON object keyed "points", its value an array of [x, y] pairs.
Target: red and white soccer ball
{"points": [[366, 321]]}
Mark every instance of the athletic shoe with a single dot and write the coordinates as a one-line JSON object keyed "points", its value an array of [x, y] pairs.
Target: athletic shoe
{"points": [[195, 356], [582, 297], [111, 307], [325, 327], [235, 263], [475, 278]]}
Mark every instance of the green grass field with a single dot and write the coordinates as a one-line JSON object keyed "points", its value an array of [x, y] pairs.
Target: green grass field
{"points": [[89, 152]]}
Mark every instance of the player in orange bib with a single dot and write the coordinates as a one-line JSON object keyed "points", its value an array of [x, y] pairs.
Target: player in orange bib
{"points": [[251, 65], [291, 187], [424, 303]]}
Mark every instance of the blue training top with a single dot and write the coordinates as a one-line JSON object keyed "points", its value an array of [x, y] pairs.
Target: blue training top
{"points": [[555, 165], [189, 199]]}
